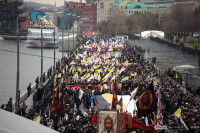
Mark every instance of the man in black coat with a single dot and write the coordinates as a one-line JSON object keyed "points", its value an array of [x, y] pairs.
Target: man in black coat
{"points": [[78, 102]]}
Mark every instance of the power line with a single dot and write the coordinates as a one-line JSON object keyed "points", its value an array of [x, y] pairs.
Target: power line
{"points": [[25, 54]]}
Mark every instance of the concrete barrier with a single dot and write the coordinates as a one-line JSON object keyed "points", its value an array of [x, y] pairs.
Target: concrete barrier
{"points": [[24, 95]]}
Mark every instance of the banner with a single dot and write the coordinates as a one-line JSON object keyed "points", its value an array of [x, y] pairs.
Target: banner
{"points": [[125, 119], [139, 125], [78, 86], [122, 123], [105, 86]]}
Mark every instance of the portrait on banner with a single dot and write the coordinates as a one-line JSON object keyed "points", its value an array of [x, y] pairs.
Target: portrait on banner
{"points": [[107, 121]]}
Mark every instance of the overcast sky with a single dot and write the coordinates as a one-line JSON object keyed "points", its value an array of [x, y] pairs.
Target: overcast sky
{"points": [[52, 2]]}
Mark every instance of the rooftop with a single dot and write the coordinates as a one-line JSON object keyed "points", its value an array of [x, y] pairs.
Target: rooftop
{"points": [[133, 5]]}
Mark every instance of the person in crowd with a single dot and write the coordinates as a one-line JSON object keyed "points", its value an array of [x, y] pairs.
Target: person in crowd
{"points": [[23, 108], [29, 89]]}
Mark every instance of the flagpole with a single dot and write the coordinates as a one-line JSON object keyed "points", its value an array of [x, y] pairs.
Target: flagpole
{"points": [[128, 104]]}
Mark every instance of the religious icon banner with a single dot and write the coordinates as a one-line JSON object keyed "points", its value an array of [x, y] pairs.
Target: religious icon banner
{"points": [[107, 121]]}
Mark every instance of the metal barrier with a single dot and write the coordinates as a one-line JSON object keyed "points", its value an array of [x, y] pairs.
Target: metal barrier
{"points": [[191, 79]]}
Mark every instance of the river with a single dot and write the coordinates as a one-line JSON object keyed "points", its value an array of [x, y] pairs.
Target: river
{"points": [[30, 67]]}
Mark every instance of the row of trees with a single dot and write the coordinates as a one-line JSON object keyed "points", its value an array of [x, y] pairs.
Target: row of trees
{"points": [[118, 23], [181, 22], [176, 21]]}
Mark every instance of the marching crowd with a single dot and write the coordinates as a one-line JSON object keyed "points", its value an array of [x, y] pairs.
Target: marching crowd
{"points": [[95, 74]]}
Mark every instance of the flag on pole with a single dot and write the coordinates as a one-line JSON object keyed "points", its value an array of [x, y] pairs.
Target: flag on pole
{"points": [[55, 101], [80, 93], [178, 114], [114, 100], [62, 105], [146, 102], [133, 93], [125, 78], [159, 109], [37, 119], [121, 104]]}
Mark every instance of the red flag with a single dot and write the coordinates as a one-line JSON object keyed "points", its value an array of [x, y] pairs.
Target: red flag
{"points": [[139, 125], [55, 102], [62, 105], [94, 119], [121, 61], [159, 109]]}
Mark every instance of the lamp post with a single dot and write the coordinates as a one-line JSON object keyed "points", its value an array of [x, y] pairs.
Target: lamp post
{"points": [[62, 35], [73, 28], [17, 84], [69, 14], [68, 38], [41, 55], [73, 35], [54, 50], [84, 19]]}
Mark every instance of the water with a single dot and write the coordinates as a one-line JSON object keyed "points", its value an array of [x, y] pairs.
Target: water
{"points": [[170, 57], [30, 67]]}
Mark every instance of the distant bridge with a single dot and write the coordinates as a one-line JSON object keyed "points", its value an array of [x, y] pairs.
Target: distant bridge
{"points": [[152, 33]]}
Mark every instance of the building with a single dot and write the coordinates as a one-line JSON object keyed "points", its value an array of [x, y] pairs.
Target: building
{"points": [[75, 6], [24, 25], [188, 5], [90, 17], [104, 9], [156, 1], [91, 1], [132, 8], [160, 7], [9, 12]]}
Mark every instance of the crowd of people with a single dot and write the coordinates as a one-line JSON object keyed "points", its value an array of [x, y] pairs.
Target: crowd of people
{"points": [[95, 68]]}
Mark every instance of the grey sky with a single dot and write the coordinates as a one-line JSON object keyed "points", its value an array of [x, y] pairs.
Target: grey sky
{"points": [[52, 2]]}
